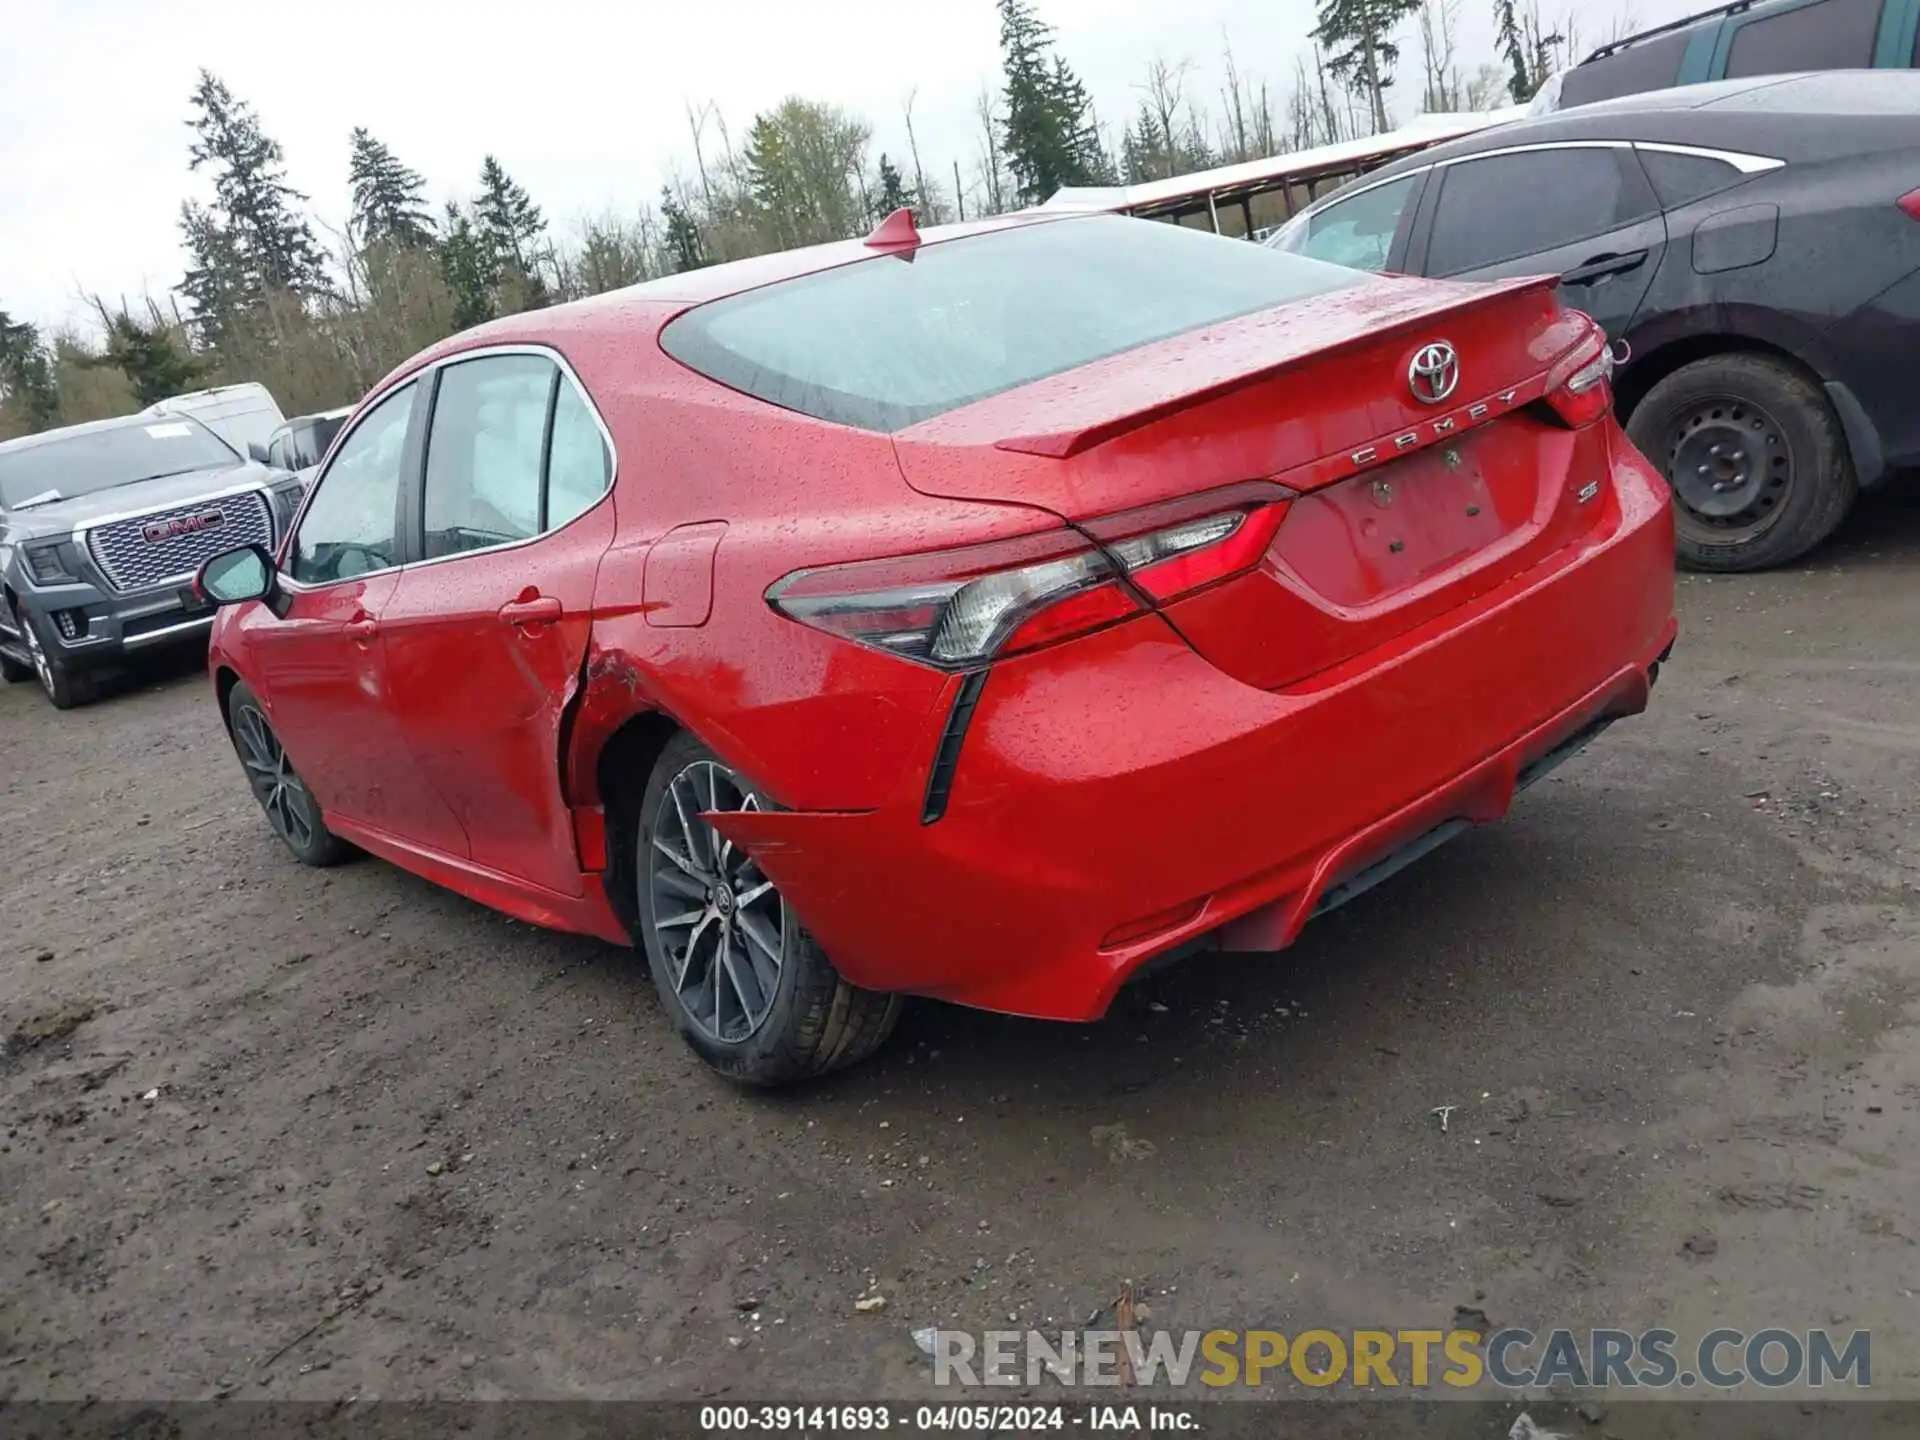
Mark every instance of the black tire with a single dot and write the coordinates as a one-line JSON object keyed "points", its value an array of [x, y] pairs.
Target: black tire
{"points": [[17, 672], [807, 1021], [1756, 458], [63, 686], [289, 806]]}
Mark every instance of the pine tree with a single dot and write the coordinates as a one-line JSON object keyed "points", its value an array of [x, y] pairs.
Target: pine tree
{"points": [[470, 266], [26, 375], [891, 192], [682, 234], [271, 242], [387, 203], [1361, 54], [149, 356], [1049, 133], [511, 223], [219, 284]]}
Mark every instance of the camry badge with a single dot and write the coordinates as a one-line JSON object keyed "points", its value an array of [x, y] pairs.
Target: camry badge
{"points": [[1434, 372]]}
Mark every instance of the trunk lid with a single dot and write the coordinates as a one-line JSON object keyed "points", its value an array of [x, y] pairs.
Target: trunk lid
{"points": [[1405, 507]]}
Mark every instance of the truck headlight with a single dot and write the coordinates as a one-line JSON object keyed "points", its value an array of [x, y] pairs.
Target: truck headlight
{"points": [[46, 564]]}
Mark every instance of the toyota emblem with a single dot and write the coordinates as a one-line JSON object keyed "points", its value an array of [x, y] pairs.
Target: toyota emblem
{"points": [[1434, 373]]}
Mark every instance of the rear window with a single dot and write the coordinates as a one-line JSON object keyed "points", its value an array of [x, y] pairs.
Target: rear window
{"points": [[883, 343], [1832, 35], [1644, 65]]}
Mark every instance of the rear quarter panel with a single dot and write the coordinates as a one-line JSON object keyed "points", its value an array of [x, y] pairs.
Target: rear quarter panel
{"points": [[816, 722]]}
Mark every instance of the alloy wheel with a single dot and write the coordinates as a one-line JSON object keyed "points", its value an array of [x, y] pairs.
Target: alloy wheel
{"points": [[1730, 466], [717, 919], [42, 666], [280, 791]]}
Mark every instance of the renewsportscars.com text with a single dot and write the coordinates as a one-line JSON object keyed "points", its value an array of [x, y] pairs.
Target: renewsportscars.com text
{"points": [[1512, 1358]]}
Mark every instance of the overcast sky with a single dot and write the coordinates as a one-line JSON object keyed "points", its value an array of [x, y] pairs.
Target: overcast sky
{"points": [[584, 101]]}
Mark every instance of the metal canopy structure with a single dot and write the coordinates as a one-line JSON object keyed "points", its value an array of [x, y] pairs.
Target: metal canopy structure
{"points": [[1293, 180]]}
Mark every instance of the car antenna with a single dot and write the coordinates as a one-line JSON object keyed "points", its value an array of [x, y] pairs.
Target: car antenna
{"points": [[896, 232]]}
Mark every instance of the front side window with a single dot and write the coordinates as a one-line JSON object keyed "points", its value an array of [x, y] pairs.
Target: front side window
{"points": [[349, 527], [1507, 206], [1357, 232], [483, 453]]}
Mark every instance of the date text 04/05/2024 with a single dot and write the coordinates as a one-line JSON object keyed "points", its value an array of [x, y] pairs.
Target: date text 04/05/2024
{"points": [[960, 1417]]}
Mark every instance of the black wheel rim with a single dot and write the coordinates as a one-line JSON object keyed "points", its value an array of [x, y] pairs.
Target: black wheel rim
{"points": [[718, 921], [276, 786], [42, 666], [1730, 466]]}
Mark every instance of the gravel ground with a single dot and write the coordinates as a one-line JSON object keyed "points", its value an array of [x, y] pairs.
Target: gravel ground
{"points": [[272, 1132]]}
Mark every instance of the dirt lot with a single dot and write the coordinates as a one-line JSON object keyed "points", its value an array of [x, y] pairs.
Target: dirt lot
{"points": [[266, 1131]]}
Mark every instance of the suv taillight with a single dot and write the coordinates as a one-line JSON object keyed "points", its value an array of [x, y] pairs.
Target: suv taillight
{"points": [[958, 609]]}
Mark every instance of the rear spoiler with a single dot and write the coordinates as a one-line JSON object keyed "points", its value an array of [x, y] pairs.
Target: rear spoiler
{"points": [[1249, 353]]}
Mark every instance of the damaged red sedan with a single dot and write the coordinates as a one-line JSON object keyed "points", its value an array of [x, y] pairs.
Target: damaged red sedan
{"points": [[977, 614]]}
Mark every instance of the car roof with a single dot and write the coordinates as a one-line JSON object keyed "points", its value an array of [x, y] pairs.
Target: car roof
{"points": [[93, 427], [1766, 114]]}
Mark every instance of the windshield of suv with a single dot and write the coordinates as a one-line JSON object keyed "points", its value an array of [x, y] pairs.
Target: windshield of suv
{"points": [[883, 343], [59, 469]]}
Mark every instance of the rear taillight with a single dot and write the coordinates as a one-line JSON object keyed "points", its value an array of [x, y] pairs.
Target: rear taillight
{"points": [[1579, 386], [1910, 202], [958, 609]]}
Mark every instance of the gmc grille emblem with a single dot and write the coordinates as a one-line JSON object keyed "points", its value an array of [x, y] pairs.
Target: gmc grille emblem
{"points": [[158, 532]]}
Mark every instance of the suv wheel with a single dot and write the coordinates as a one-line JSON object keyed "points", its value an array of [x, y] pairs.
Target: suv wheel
{"points": [[289, 806], [63, 687], [1756, 458], [745, 984]]}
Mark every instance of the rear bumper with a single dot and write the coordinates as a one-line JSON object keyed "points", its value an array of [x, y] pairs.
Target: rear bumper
{"points": [[1119, 796]]}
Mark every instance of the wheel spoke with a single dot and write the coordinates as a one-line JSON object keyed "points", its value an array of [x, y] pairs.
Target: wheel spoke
{"points": [[750, 927], [745, 898], [764, 966], [687, 956], [686, 824], [686, 917], [686, 866], [746, 984], [679, 883]]}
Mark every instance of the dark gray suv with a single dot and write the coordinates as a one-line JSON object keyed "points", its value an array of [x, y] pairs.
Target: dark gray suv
{"points": [[102, 528], [1753, 248]]}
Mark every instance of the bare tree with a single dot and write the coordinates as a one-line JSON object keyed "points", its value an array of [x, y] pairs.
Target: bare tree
{"points": [[930, 206], [993, 168], [1439, 29]]}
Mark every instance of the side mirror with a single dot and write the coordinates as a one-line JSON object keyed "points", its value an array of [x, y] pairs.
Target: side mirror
{"points": [[256, 452], [236, 575]]}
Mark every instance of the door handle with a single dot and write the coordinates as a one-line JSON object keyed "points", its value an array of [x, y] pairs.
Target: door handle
{"points": [[363, 628], [1602, 266], [538, 610]]}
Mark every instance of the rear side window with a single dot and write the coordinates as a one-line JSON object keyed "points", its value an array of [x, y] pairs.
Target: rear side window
{"points": [[1646, 65], [885, 342], [1507, 206], [1832, 35], [1678, 179], [1357, 232]]}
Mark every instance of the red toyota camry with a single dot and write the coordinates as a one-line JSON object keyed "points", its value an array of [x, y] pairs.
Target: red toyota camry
{"points": [[976, 614]]}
